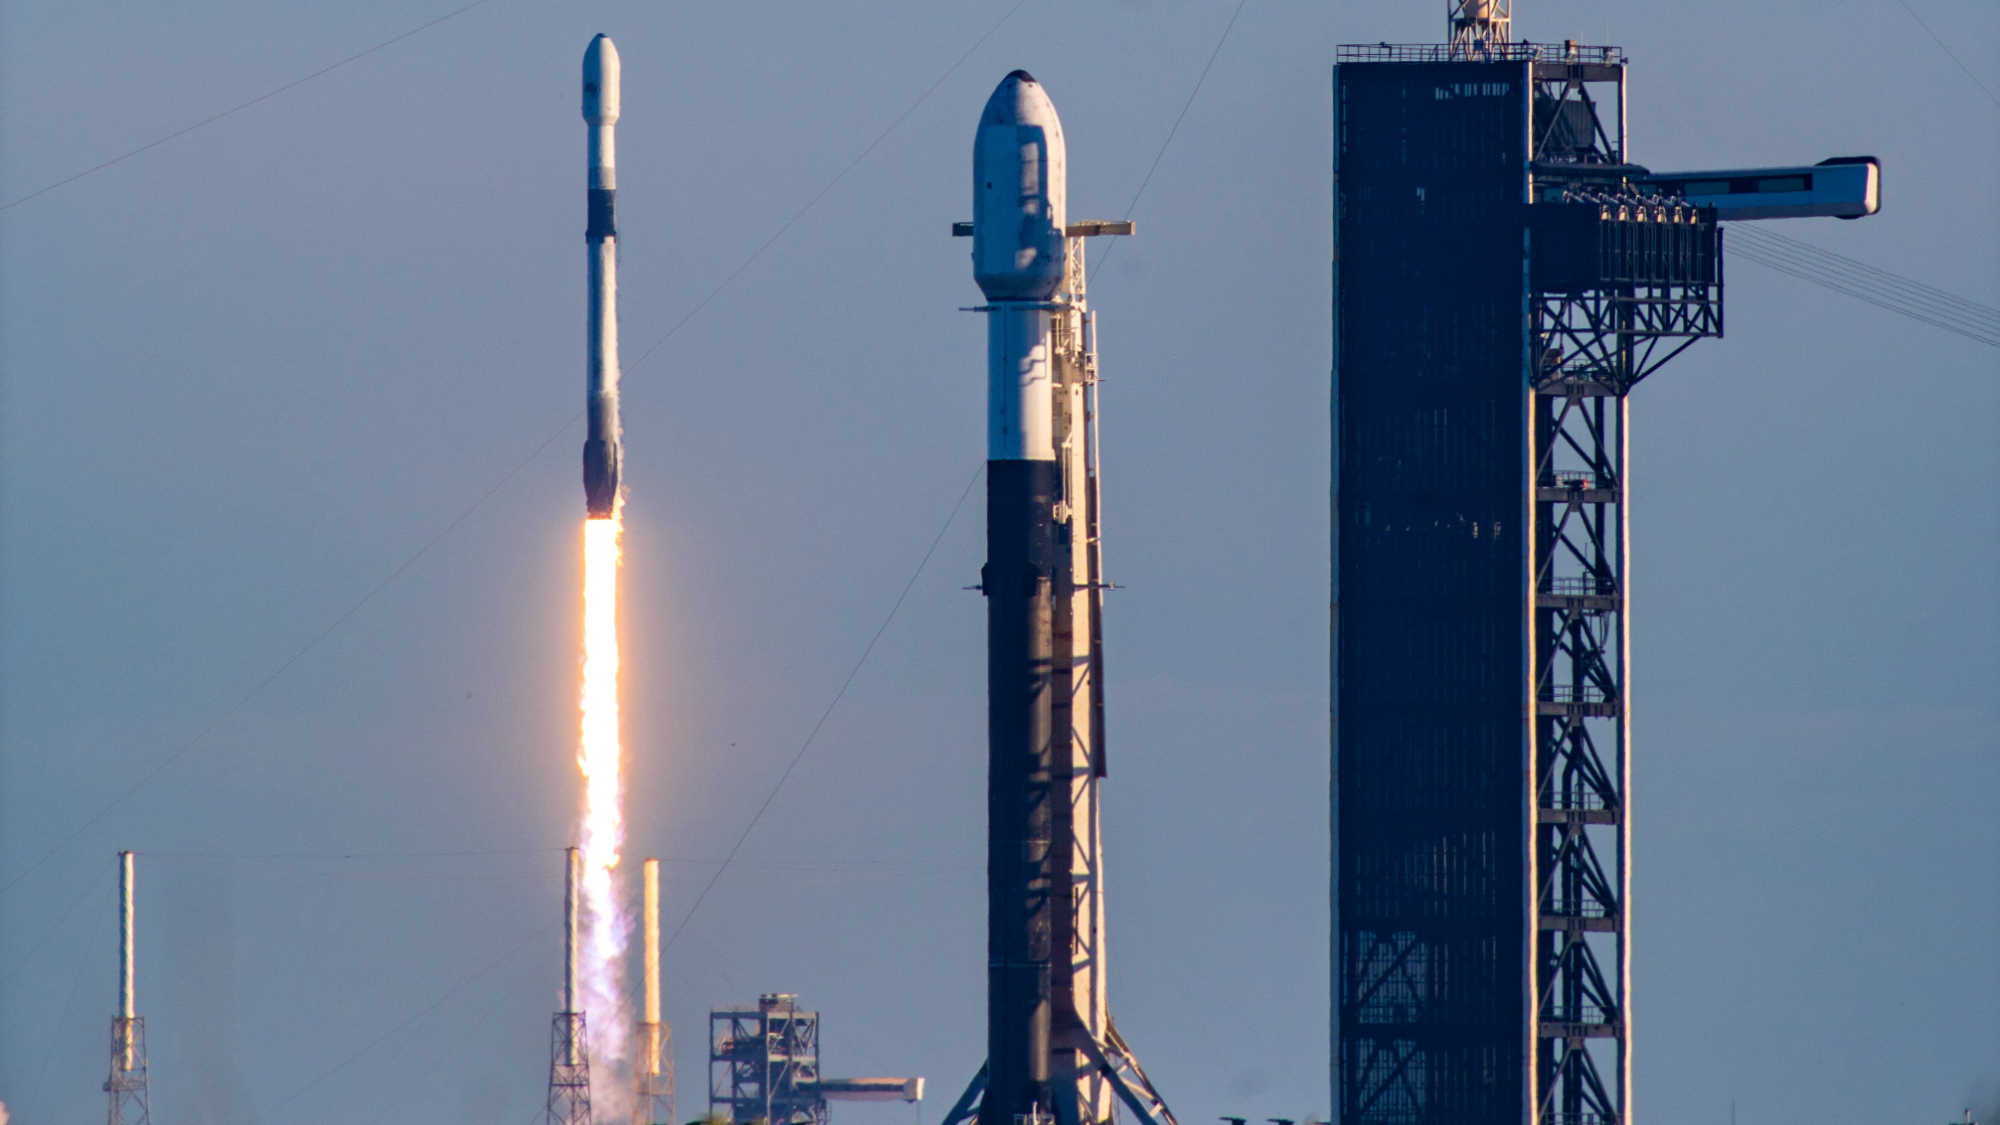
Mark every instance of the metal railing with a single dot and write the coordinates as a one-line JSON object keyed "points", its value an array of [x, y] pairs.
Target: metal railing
{"points": [[1490, 52], [1585, 585]]}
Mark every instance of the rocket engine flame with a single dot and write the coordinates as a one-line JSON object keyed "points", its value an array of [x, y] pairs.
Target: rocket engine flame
{"points": [[602, 834]]}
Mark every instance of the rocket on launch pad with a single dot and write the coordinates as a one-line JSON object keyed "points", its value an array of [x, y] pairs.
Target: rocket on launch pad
{"points": [[1053, 1054]]}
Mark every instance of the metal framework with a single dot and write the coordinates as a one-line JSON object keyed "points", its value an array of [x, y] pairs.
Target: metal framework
{"points": [[569, 1070], [1502, 283], [654, 1080], [131, 1101], [1478, 27], [763, 1063], [569, 1038], [1622, 283]]}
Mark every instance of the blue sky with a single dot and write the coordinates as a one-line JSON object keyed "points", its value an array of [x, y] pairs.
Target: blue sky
{"points": [[251, 374]]}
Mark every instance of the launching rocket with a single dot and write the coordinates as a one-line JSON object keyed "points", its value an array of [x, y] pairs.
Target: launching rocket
{"points": [[1018, 254], [601, 453]]}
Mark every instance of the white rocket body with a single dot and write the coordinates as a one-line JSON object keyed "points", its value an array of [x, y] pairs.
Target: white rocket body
{"points": [[602, 454], [1018, 252]]}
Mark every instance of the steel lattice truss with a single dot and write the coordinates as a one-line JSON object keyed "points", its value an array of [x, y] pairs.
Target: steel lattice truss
{"points": [[569, 1070], [1592, 348], [131, 1103], [1580, 752]]}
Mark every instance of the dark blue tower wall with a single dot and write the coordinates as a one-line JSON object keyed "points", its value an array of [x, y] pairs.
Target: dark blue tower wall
{"points": [[1430, 742]]}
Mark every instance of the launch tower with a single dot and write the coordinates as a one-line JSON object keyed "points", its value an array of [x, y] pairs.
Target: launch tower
{"points": [[1503, 277]]}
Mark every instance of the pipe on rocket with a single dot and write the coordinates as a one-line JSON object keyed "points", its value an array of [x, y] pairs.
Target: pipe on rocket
{"points": [[602, 454], [1018, 254]]}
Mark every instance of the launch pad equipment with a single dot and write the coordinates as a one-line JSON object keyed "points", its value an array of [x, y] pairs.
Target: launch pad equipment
{"points": [[128, 1085], [1053, 1053], [1504, 276], [763, 1066]]}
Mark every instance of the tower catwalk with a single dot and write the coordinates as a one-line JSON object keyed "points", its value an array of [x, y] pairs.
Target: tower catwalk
{"points": [[569, 1042], [131, 1096], [1053, 1053]]}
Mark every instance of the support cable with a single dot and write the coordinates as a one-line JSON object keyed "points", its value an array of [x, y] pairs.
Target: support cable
{"points": [[1864, 282], [1949, 53], [825, 715], [510, 474], [1182, 116], [246, 105]]}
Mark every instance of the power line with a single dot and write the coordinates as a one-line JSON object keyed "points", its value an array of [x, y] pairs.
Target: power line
{"points": [[1949, 52], [831, 184], [246, 105], [1182, 116], [461, 986], [1864, 282], [826, 714], [340, 620]]}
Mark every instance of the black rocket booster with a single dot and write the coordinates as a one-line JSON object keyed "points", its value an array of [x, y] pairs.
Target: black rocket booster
{"points": [[601, 453], [1018, 255]]}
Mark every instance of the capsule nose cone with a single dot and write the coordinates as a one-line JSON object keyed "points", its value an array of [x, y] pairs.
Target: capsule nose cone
{"points": [[600, 81]]}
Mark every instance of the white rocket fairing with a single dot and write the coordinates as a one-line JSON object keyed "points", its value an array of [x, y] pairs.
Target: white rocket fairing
{"points": [[601, 452], [1018, 207]]}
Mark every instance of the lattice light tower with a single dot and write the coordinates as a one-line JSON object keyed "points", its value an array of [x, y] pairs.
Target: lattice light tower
{"points": [[1504, 276], [653, 1070], [131, 1097], [569, 1039]]}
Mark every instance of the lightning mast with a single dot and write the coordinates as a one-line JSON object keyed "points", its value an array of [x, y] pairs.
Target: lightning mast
{"points": [[127, 1085], [569, 1049], [653, 1073]]}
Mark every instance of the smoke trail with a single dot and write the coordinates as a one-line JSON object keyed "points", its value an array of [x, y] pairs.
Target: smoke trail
{"points": [[602, 831]]}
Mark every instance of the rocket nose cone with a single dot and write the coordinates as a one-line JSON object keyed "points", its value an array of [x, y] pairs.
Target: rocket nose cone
{"points": [[1020, 100], [1019, 182], [600, 81]]}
